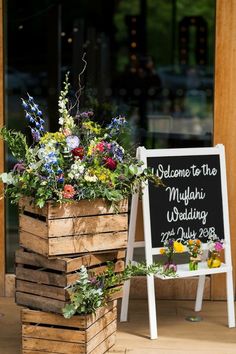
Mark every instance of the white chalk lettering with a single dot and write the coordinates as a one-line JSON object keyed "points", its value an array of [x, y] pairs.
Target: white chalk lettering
{"points": [[161, 172], [188, 214], [195, 171], [186, 234], [186, 195], [207, 171]]}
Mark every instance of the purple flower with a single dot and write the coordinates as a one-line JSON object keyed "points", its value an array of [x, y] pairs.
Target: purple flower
{"points": [[84, 115], [117, 151], [218, 246], [35, 134], [19, 167]]}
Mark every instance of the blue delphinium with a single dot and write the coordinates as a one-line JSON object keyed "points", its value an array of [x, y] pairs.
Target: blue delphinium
{"points": [[117, 151], [34, 117], [116, 125]]}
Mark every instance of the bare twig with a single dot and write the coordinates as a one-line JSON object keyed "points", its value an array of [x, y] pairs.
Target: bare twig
{"points": [[78, 93]]}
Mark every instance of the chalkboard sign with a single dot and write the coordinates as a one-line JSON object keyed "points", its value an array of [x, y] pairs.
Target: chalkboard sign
{"points": [[193, 204], [189, 206]]}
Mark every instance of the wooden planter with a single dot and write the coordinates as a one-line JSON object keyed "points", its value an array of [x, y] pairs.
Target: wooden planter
{"points": [[51, 333], [41, 282], [72, 228]]}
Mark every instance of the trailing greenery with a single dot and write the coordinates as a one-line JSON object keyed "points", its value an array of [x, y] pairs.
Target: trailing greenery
{"points": [[90, 292]]}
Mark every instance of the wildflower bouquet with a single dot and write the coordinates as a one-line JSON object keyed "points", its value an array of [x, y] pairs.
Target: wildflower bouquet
{"points": [[170, 248], [214, 253], [194, 248], [83, 160]]}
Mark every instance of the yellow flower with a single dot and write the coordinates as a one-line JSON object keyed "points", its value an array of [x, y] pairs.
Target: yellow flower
{"points": [[57, 137], [162, 251], [179, 247], [92, 127], [91, 148]]}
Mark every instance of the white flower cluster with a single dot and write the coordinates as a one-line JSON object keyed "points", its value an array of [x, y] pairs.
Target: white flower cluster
{"points": [[77, 169], [65, 120], [90, 178]]}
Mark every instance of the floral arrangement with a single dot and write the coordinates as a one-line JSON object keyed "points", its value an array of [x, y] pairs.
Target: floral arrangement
{"points": [[90, 292], [214, 249], [194, 248], [170, 248], [215, 246], [83, 160]]}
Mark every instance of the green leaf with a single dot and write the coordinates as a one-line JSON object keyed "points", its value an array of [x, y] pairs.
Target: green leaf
{"points": [[68, 311]]}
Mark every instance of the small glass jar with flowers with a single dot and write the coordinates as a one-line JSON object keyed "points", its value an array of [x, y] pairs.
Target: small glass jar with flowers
{"points": [[214, 252], [171, 247], [194, 248]]}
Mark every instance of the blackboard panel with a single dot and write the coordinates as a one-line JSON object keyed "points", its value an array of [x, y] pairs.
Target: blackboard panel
{"points": [[190, 204]]}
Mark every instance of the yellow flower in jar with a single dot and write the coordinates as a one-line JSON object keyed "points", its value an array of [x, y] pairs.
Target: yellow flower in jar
{"points": [[179, 247]]}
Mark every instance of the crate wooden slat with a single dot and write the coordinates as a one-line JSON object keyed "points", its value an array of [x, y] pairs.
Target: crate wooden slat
{"points": [[51, 333], [82, 208], [72, 228], [41, 282]]}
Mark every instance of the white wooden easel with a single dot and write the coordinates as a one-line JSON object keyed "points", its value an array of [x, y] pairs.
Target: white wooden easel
{"points": [[183, 271]]}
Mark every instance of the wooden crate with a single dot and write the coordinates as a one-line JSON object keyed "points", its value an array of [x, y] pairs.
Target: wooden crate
{"points": [[72, 228], [41, 282], [49, 333]]}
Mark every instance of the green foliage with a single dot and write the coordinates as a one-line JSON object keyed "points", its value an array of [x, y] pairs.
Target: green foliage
{"points": [[85, 296], [89, 292], [16, 141]]}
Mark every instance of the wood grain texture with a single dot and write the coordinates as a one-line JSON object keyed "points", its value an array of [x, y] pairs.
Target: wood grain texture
{"points": [[40, 282], [73, 228], [81, 208], [225, 113], [87, 243], [85, 321], [2, 155], [71, 337]]}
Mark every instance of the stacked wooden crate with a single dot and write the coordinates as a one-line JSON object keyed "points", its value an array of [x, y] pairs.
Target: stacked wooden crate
{"points": [[55, 241]]}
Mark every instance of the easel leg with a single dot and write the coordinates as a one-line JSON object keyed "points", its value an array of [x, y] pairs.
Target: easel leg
{"points": [[200, 291], [152, 307], [125, 302], [230, 299], [129, 256]]}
